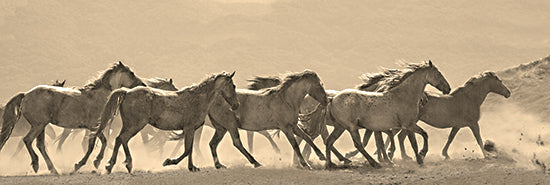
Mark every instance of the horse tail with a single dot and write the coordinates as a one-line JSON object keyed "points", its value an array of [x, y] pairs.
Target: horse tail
{"points": [[109, 111], [12, 113]]}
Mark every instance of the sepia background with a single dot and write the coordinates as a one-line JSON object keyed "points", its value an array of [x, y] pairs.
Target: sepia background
{"points": [[44, 41]]}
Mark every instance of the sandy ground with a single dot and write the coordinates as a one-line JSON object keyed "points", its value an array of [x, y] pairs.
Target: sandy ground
{"points": [[457, 171]]}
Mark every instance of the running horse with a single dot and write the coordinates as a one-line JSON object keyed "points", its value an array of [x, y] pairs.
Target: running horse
{"points": [[396, 107], [65, 107], [22, 128], [271, 108], [462, 108], [185, 110]]}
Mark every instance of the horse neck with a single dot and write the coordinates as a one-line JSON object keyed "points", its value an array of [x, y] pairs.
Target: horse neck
{"points": [[294, 95], [412, 88], [475, 93], [209, 92]]}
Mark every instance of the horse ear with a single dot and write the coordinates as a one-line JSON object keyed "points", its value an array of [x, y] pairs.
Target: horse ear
{"points": [[232, 74], [120, 63], [63, 83], [170, 80], [430, 63]]}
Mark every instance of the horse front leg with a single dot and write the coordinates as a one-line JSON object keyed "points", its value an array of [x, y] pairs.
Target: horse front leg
{"points": [[300, 133], [477, 135]]}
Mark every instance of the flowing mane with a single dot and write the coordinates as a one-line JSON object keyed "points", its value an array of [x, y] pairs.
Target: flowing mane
{"points": [[260, 82], [289, 80], [472, 80], [203, 86], [390, 78], [103, 77]]}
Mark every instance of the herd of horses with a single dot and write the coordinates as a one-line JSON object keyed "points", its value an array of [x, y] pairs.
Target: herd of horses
{"points": [[390, 102]]}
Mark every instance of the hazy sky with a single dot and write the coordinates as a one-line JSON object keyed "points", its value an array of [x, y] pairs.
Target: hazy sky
{"points": [[41, 41]]}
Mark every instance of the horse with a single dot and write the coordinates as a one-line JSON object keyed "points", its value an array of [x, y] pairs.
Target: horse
{"points": [[271, 108], [22, 128], [65, 107], [311, 118], [185, 110], [459, 109], [257, 83], [159, 83], [396, 107]]}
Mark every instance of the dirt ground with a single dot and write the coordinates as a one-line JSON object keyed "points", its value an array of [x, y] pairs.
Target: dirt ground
{"points": [[455, 171]]}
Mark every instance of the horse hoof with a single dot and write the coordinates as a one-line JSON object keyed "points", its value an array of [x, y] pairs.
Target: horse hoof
{"points": [[168, 162], [220, 166], [322, 158], [376, 165], [54, 172], [96, 163], [194, 169], [347, 161], [109, 167], [34, 167], [76, 167], [406, 158], [129, 167], [330, 165], [257, 165]]}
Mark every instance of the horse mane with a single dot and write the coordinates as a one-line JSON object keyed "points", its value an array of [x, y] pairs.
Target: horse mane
{"points": [[156, 80], [288, 81], [473, 79], [391, 78], [202, 86], [260, 82], [371, 79], [103, 77]]}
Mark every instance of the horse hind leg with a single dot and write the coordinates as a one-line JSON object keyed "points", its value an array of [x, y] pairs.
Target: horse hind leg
{"points": [[218, 136], [366, 137], [324, 136], [18, 149], [126, 133], [300, 133], [401, 137], [250, 139], [414, 145], [450, 139], [64, 135], [336, 133], [290, 136], [382, 155], [357, 142], [42, 148], [31, 135]]}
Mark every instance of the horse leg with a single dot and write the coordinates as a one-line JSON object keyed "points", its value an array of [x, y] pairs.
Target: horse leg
{"points": [[414, 145], [295, 159], [234, 132], [250, 139], [290, 136], [31, 135], [82, 162], [401, 137], [270, 139], [477, 135], [424, 135], [336, 133], [111, 162], [84, 144], [366, 138], [124, 138], [391, 144], [189, 134], [324, 136], [382, 155], [42, 148], [104, 144], [218, 136], [452, 135], [64, 135], [300, 133], [357, 142], [178, 146]]}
